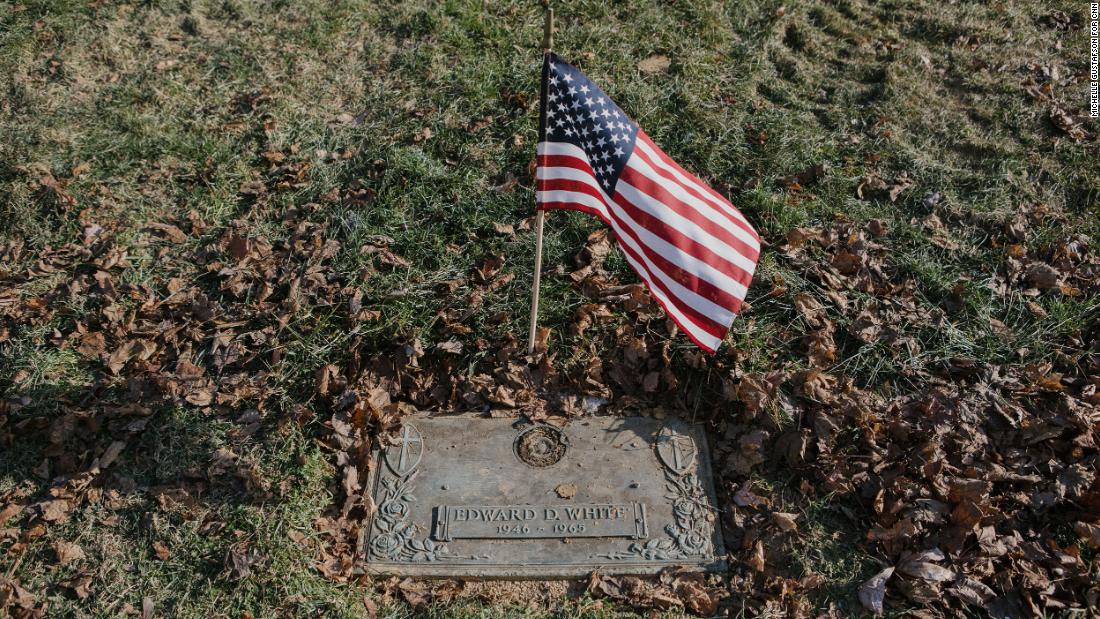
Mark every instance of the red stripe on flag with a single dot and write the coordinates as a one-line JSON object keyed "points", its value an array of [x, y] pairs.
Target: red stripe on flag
{"points": [[667, 233], [646, 185], [670, 271], [673, 272], [714, 196], [632, 218], [665, 176]]}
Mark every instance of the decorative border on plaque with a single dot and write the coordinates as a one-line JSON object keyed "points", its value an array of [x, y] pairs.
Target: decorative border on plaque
{"points": [[396, 539], [689, 535]]}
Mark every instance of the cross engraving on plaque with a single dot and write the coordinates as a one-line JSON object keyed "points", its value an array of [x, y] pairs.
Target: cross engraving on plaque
{"points": [[404, 452], [676, 450], [683, 451], [406, 440]]}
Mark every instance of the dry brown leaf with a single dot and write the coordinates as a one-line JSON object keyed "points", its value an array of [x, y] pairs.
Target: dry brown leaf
{"points": [[785, 522], [326, 376], [1069, 123], [80, 584], [542, 339], [873, 592], [92, 344], [55, 510], [811, 310], [973, 592], [799, 180], [1088, 532], [847, 263], [657, 63], [170, 231], [370, 606], [110, 454], [67, 552], [420, 593], [866, 326], [13, 597], [816, 385], [239, 247], [923, 565], [1043, 276], [756, 392], [756, 559], [240, 563], [1037, 310], [797, 237], [140, 349], [695, 597], [379, 247], [821, 348], [745, 497], [489, 268], [452, 346], [223, 461], [8, 512], [351, 480], [586, 315], [566, 491], [901, 183], [160, 550]]}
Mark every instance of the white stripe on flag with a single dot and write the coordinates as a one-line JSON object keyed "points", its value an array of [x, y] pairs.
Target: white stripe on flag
{"points": [[686, 323], [685, 226], [658, 159], [689, 263], [706, 210], [691, 298]]}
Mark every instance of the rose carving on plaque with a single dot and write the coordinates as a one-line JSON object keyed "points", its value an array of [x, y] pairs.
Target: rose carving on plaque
{"points": [[396, 538], [689, 534]]}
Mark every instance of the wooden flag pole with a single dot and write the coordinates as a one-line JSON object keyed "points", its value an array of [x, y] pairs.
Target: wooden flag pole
{"points": [[547, 45]]}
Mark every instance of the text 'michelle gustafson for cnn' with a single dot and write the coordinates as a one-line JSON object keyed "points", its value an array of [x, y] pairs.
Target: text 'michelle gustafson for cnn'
{"points": [[1094, 59]]}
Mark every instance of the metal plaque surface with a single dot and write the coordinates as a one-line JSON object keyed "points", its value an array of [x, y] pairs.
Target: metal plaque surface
{"points": [[502, 498]]}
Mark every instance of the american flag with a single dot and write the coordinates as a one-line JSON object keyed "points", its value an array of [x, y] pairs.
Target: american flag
{"points": [[693, 249]]}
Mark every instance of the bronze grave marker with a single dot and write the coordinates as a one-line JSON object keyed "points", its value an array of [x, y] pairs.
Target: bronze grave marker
{"points": [[503, 498]]}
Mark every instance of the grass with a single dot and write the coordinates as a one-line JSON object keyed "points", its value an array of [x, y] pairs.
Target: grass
{"points": [[172, 106]]}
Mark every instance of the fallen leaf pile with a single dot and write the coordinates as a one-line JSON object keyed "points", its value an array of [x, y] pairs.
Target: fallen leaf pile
{"points": [[669, 591], [976, 487], [977, 490]]}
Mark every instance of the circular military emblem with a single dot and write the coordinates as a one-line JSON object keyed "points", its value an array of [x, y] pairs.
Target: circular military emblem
{"points": [[676, 450], [540, 445], [404, 452]]}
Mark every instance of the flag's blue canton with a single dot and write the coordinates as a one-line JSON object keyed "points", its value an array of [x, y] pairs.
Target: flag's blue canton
{"points": [[576, 111]]}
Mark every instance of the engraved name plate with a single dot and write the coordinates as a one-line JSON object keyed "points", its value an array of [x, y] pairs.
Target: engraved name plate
{"points": [[539, 521], [466, 496]]}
